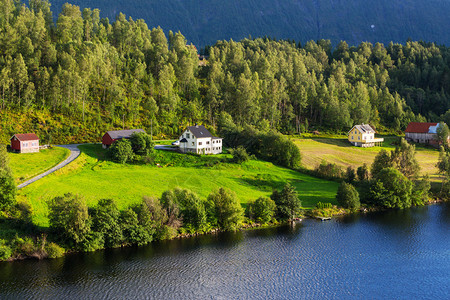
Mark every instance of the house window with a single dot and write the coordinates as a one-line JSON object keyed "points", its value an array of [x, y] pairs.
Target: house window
{"points": [[358, 138], [188, 136], [207, 143], [192, 143], [352, 137], [199, 143]]}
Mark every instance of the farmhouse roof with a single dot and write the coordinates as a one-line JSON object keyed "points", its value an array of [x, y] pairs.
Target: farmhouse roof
{"points": [[123, 134], [183, 140], [363, 128], [200, 131], [417, 127], [26, 136]]}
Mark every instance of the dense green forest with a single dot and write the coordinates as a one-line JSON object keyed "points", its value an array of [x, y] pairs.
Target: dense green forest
{"points": [[205, 22], [72, 79]]}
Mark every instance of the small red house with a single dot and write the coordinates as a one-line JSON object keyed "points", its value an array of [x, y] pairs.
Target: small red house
{"points": [[25, 143], [114, 135]]}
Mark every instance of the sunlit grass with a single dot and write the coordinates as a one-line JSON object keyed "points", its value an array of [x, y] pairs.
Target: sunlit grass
{"points": [[28, 165], [94, 179]]}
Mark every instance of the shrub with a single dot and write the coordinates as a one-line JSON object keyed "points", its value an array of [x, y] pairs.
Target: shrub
{"points": [[7, 190], [262, 210], [350, 175], [328, 171], [54, 250], [141, 143], [363, 173], [347, 196], [226, 209], [106, 221], [68, 218], [321, 205], [391, 189], [287, 202], [5, 251], [121, 151], [240, 155]]}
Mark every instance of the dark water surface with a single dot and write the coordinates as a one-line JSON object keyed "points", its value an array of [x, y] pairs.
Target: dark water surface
{"points": [[394, 255]]}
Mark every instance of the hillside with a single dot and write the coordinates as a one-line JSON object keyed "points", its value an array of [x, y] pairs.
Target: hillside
{"points": [[95, 178], [351, 20]]}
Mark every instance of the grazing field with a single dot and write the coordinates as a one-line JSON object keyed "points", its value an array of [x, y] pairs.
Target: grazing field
{"points": [[28, 165], [341, 152], [94, 178]]}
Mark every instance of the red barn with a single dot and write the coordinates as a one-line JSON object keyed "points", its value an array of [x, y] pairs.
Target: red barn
{"points": [[25, 143], [114, 135]]}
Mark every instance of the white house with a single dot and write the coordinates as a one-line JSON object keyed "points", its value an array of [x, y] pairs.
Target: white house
{"points": [[198, 139]]}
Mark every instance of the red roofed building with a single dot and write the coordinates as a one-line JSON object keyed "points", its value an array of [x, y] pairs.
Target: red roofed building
{"points": [[424, 133], [114, 135], [25, 143]]}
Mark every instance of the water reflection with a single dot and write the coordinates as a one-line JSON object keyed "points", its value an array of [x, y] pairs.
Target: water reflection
{"points": [[356, 256]]}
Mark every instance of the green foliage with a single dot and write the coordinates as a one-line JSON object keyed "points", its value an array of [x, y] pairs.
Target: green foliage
{"points": [[420, 191], [287, 201], [328, 171], [54, 250], [7, 191], [138, 225], [391, 189], [350, 174], [5, 250], [106, 221], [363, 172], [240, 155], [443, 134], [225, 209], [142, 143], [121, 151], [347, 196], [443, 163], [68, 217], [403, 158], [262, 210], [7, 185], [191, 208], [321, 205]]}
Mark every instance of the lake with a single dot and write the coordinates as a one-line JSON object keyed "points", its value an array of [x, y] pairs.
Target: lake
{"points": [[387, 255]]}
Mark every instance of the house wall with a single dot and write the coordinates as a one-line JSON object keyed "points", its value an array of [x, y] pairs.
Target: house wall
{"points": [[199, 145], [107, 140], [354, 136], [29, 146], [15, 144], [424, 138]]}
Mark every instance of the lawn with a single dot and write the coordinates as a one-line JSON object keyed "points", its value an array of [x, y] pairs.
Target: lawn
{"points": [[341, 152], [94, 178], [28, 165]]}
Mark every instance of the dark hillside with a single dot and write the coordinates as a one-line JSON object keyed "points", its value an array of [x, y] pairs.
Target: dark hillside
{"points": [[204, 22]]}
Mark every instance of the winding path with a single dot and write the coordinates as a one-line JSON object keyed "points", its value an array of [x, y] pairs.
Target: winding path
{"points": [[74, 153]]}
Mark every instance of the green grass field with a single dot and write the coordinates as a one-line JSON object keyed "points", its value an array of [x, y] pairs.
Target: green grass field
{"points": [[28, 165], [341, 152], [94, 178]]}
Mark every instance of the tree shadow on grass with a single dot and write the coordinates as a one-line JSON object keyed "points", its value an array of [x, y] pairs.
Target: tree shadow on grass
{"points": [[336, 142]]}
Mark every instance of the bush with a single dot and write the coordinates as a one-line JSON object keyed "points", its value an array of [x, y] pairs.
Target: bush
{"points": [[240, 155], [5, 251], [363, 173], [106, 221], [391, 189], [262, 210], [121, 151], [54, 250], [328, 171], [69, 219], [226, 209], [347, 196], [321, 205], [141, 143], [287, 202], [7, 190]]}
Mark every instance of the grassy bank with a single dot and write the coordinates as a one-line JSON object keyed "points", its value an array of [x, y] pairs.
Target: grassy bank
{"points": [[95, 178], [28, 165], [339, 151]]}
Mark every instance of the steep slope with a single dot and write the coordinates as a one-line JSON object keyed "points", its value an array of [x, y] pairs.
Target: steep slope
{"points": [[204, 22]]}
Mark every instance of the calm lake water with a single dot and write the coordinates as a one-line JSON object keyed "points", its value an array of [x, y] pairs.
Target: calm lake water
{"points": [[394, 255]]}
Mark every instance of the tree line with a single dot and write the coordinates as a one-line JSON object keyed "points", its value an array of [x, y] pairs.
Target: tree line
{"points": [[73, 79]]}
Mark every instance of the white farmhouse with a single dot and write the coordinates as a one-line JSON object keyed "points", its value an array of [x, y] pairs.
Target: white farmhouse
{"points": [[198, 139]]}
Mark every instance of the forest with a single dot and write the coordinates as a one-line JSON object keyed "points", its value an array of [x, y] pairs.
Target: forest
{"points": [[73, 79]]}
